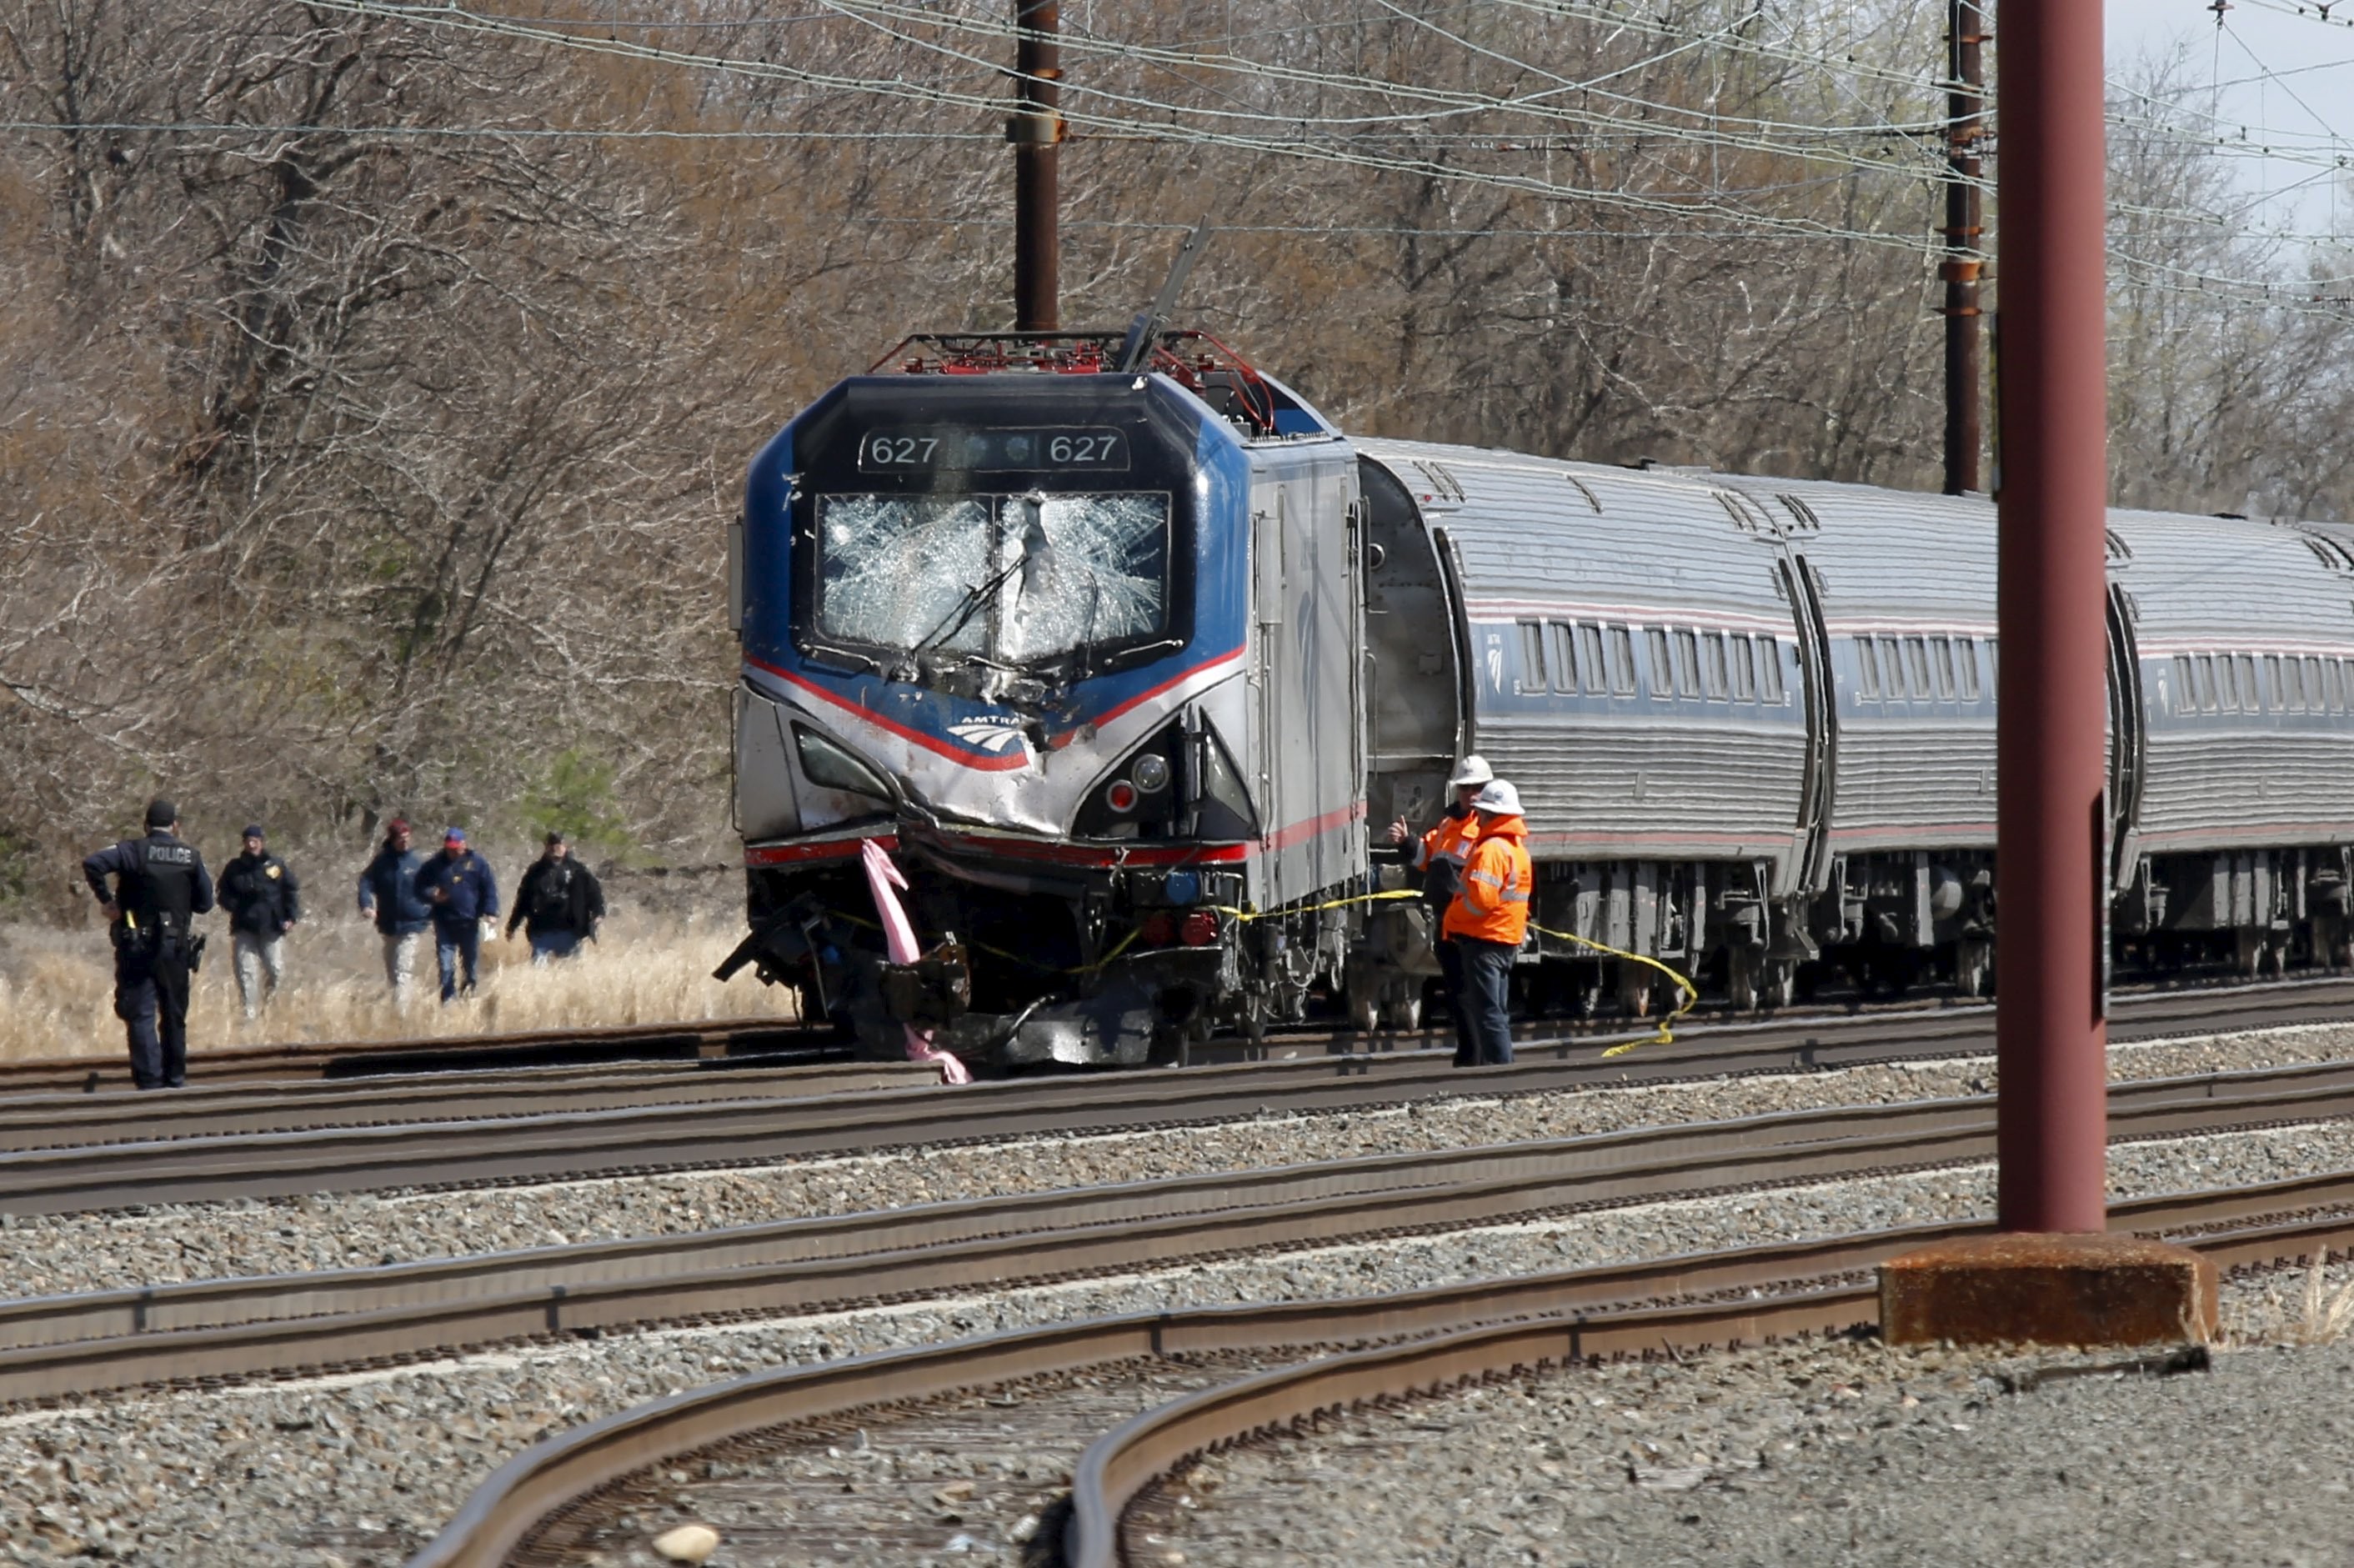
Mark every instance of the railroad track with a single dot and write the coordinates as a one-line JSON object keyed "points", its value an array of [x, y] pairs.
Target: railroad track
{"points": [[1028, 1392], [60, 1156], [706, 1040], [61, 1346]]}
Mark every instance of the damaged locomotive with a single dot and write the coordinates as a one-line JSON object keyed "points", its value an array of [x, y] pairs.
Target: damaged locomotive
{"points": [[1119, 648]]}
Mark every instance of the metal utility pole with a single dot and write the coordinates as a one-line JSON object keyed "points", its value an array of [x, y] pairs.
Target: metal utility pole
{"points": [[1036, 129], [2051, 829], [1965, 343]]}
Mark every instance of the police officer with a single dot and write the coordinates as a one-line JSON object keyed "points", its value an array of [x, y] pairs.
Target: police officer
{"points": [[159, 884], [1439, 855], [559, 904], [1488, 920]]}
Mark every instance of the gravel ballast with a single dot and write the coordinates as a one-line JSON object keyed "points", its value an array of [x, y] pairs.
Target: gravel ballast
{"points": [[50, 1254], [1838, 1452], [361, 1470]]}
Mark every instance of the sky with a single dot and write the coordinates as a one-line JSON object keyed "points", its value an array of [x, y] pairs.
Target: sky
{"points": [[2308, 103]]}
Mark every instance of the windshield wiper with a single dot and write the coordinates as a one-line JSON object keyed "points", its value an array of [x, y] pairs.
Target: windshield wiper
{"points": [[1034, 548], [968, 606]]}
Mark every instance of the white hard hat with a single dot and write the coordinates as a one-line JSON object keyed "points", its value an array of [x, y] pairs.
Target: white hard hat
{"points": [[1499, 797], [1470, 770]]}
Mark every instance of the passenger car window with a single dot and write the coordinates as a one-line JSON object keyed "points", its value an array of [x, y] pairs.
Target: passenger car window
{"points": [[1940, 658], [1687, 664], [2185, 700], [1891, 666], [1590, 673], [2333, 678], [1769, 671], [1965, 652], [2205, 667], [1564, 656], [2312, 698], [1663, 679], [1745, 675], [1533, 656], [1622, 662], [2227, 683], [1712, 665], [2252, 696], [1916, 652], [1867, 665]]}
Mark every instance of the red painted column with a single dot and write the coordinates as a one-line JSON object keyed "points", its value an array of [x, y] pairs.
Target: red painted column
{"points": [[2052, 1040]]}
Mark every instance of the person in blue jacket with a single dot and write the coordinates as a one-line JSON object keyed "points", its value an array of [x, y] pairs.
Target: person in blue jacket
{"points": [[389, 896], [464, 896]]}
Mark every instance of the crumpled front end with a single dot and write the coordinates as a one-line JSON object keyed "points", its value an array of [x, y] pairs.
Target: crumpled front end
{"points": [[1041, 950]]}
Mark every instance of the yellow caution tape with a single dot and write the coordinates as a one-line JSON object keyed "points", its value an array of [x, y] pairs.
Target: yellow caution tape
{"points": [[1666, 1036], [1666, 1025]]}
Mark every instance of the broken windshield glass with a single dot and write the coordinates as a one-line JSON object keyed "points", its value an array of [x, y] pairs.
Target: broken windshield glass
{"points": [[1014, 580]]}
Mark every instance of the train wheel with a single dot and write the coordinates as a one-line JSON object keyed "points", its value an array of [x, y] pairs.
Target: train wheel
{"points": [[1405, 1012], [1741, 979], [2249, 955], [2277, 954], [1635, 991], [1361, 988], [1973, 960], [1781, 983]]}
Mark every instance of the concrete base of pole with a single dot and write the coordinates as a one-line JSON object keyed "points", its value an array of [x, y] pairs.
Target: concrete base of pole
{"points": [[2038, 1290]]}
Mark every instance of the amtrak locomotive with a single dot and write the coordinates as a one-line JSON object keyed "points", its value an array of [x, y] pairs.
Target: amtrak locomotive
{"points": [[1121, 648]]}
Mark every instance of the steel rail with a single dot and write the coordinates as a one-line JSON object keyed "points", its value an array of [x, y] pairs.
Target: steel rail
{"points": [[722, 1132], [56, 1346], [70, 1121], [706, 1038], [1568, 1317], [1836, 1035], [450, 1089]]}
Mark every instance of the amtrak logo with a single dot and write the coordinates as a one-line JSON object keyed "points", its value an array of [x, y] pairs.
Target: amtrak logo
{"points": [[992, 734]]}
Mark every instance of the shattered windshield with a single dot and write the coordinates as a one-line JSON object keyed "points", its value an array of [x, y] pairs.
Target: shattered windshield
{"points": [[1011, 579]]}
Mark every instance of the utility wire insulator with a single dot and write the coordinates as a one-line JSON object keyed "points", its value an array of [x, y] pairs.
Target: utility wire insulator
{"points": [[1040, 130]]}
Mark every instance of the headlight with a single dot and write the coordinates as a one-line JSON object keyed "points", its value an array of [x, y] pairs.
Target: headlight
{"points": [[1151, 772]]}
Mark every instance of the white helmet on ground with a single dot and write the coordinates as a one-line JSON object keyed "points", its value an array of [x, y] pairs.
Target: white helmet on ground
{"points": [[1470, 770], [1499, 797]]}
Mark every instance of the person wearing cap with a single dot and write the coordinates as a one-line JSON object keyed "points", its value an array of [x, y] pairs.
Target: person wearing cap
{"points": [[389, 896], [558, 904], [1439, 855], [264, 901], [464, 896], [160, 886], [1488, 919]]}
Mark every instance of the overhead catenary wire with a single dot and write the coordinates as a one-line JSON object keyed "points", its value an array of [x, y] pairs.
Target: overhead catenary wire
{"points": [[1693, 206]]}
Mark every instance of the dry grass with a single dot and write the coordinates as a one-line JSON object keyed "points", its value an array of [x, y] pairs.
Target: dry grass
{"points": [[57, 987], [2321, 1312]]}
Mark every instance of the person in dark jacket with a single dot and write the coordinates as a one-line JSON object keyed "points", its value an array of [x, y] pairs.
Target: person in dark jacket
{"points": [[264, 901], [389, 896], [160, 885], [464, 896], [559, 905]]}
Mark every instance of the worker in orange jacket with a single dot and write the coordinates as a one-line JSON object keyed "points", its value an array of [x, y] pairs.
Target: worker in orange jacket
{"points": [[1439, 855], [1487, 920]]}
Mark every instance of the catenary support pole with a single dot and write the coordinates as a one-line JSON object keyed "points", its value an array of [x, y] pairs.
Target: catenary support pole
{"points": [[1965, 339], [1036, 130], [2050, 830]]}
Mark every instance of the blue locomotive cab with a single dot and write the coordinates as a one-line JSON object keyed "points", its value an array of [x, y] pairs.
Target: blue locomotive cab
{"points": [[987, 612]]}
